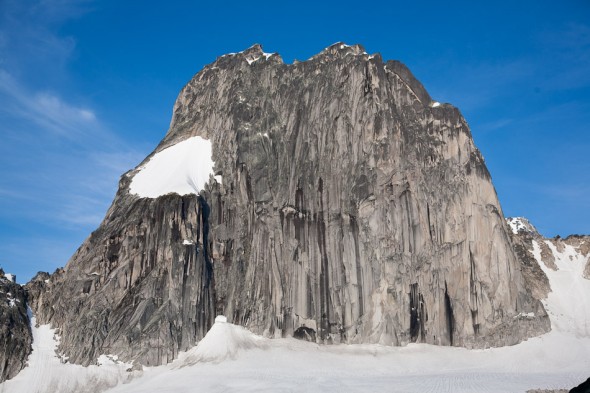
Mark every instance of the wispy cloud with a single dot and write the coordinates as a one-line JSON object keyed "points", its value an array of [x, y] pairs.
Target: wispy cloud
{"points": [[48, 111], [495, 125]]}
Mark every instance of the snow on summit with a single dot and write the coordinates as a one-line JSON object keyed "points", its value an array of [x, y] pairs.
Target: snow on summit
{"points": [[182, 169]]}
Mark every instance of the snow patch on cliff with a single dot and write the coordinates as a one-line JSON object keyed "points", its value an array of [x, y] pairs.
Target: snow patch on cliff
{"points": [[182, 169]]}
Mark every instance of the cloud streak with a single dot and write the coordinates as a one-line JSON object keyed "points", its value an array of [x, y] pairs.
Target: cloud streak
{"points": [[48, 111]]}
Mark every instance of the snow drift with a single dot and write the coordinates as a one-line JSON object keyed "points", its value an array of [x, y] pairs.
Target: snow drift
{"points": [[223, 341]]}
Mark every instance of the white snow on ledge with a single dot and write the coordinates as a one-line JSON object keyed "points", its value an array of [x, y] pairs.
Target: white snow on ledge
{"points": [[182, 169]]}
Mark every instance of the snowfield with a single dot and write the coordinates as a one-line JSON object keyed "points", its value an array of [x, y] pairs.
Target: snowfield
{"points": [[232, 359], [46, 372], [183, 168]]}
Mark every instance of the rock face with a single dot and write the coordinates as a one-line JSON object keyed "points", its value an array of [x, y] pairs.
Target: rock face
{"points": [[352, 208], [523, 235], [15, 330]]}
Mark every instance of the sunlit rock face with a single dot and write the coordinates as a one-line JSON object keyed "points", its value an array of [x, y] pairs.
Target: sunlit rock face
{"points": [[343, 203]]}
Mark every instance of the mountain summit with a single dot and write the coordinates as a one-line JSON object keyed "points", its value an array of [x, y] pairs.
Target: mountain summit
{"points": [[330, 199]]}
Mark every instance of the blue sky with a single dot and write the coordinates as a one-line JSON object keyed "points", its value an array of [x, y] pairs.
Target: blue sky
{"points": [[87, 88]]}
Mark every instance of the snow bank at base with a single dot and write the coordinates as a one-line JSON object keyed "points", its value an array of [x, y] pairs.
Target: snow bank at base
{"points": [[182, 169], [223, 341], [45, 372], [289, 365]]}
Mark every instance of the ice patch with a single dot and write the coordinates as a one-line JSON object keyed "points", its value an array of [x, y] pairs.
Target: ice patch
{"points": [[435, 104], [182, 169], [10, 277], [187, 242], [110, 360], [525, 315]]}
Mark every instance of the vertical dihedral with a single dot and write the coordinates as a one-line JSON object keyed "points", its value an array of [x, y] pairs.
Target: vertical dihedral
{"points": [[359, 269], [325, 304], [449, 317], [418, 314], [473, 299]]}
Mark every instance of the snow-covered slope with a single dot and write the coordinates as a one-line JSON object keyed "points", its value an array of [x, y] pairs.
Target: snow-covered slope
{"points": [[568, 303], [183, 168], [47, 373], [293, 366]]}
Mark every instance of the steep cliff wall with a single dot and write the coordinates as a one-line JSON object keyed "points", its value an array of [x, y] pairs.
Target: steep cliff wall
{"points": [[347, 202], [15, 331]]}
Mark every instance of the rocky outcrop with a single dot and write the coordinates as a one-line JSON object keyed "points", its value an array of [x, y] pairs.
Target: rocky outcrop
{"points": [[584, 387], [581, 244], [15, 330], [352, 208], [523, 235]]}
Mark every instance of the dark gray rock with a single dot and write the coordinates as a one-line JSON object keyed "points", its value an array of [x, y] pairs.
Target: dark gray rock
{"points": [[584, 387], [547, 391], [15, 329], [351, 204]]}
